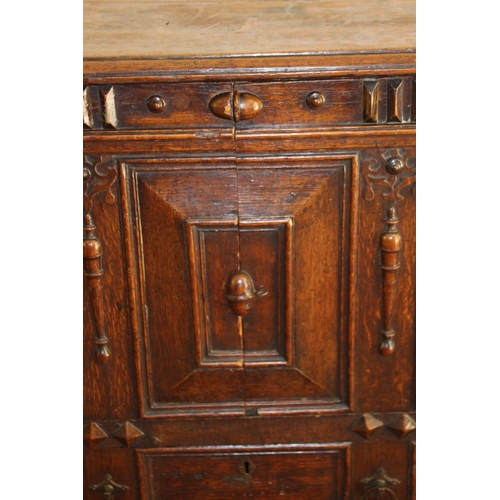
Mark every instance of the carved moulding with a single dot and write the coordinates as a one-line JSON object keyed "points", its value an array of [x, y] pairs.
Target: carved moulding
{"points": [[93, 434], [389, 174], [389, 101], [99, 174], [366, 425], [127, 433], [402, 425]]}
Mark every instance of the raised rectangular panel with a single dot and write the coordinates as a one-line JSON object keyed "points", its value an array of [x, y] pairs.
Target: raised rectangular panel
{"points": [[218, 250]]}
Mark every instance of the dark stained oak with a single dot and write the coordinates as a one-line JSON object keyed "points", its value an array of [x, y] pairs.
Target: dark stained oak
{"points": [[268, 473], [249, 250]]}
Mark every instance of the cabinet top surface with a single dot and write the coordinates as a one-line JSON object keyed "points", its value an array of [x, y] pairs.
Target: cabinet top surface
{"points": [[196, 29]]}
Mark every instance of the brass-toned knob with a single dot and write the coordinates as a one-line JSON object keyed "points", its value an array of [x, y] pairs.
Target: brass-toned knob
{"points": [[156, 104], [315, 100], [241, 292], [394, 166]]}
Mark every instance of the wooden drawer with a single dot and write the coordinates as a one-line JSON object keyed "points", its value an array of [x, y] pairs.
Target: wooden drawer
{"points": [[128, 107], [323, 102], [251, 105], [272, 473], [332, 102]]}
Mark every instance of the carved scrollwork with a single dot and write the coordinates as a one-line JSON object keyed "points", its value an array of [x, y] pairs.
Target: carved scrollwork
{"points": [[98, 176], [380, 173]]}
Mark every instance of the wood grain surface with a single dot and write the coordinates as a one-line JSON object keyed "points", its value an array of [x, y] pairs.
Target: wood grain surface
{"points": [[167, 28]]}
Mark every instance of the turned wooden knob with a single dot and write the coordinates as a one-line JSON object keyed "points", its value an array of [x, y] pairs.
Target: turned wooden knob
{"points": [[235, 106], [246, 106], [394, 166], [221, 106], [315, 100], [241, 292], [156, 104]]}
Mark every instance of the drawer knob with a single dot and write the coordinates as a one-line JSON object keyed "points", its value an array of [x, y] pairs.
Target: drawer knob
{"points": [[235, 106], [241, 292], [394, 166], [315, 100], [221, 105], [156, 104], [246, 106]]}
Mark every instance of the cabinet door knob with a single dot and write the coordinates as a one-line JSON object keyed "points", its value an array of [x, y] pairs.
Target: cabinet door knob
{"points": [[241, 292]]}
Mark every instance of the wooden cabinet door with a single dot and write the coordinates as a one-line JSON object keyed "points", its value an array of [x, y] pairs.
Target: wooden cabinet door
{"points": [[183, 225], [288, 225], [296, 219]]}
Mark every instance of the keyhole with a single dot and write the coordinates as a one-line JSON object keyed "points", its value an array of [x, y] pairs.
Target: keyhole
{"points": [[246, 468]]}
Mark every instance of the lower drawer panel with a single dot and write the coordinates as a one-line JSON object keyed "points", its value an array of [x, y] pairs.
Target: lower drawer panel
{"points": [[274, 472]]}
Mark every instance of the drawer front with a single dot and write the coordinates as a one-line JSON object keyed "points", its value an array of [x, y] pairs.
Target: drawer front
{"points": [[330, 102], [306, 103], [152, 106], [250, 105], [281, 473]]}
